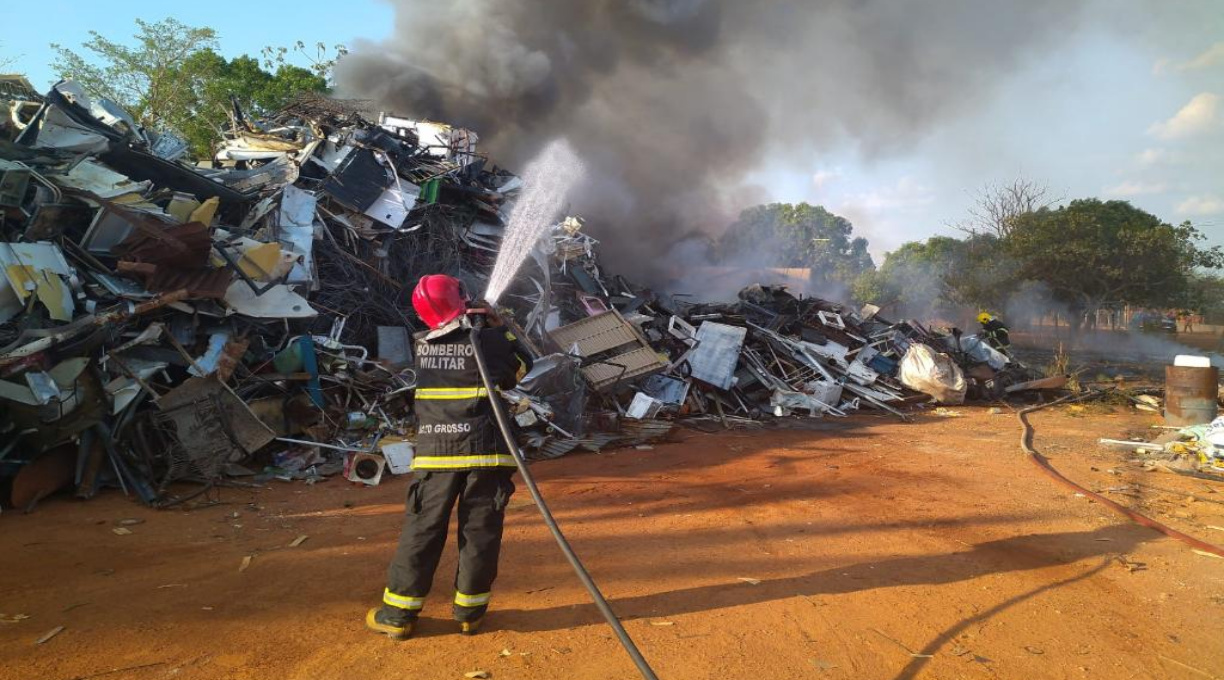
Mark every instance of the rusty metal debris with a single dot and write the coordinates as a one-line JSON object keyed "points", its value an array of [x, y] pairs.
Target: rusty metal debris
{"points": [[168, 328]]}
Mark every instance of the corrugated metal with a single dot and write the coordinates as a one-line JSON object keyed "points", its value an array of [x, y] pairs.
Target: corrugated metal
{"points": [[595, 334], [647, 429], [633, 364]]}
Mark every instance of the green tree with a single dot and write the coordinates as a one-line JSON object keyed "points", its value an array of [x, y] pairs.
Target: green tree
{"points": [[322, 61], [802, 235], [258, 91], [1205, 296], [941, 274], [911, 279], [1091, 252], [149, 79], [173, 79], [983, 275], [876, 287]]}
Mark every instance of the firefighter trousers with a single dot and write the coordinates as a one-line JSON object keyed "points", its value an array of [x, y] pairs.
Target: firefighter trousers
{"points": [[482, 495]]}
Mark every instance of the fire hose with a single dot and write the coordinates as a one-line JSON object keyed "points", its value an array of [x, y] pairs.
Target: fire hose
{"points": [[1043, 464], [503, 423]]}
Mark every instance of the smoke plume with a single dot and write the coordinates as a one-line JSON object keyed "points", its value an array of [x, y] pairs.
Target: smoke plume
{"points": [[671, 103]]}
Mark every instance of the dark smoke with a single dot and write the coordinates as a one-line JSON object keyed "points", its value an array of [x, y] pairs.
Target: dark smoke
{"points": [[672, 102]]}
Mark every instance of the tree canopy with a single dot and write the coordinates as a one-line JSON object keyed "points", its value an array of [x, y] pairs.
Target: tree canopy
{"points": [[1091, 252], [797, 235], [912, 278], [217, 79], [1077, 257], [172, 78], [1205, 296], [924, 278], [147, 79]]}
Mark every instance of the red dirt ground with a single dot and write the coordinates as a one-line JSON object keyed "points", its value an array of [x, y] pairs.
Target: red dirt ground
{"points": [[863, 548]]}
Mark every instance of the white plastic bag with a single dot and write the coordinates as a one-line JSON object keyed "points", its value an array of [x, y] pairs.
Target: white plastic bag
{"points": [[930, 372]]}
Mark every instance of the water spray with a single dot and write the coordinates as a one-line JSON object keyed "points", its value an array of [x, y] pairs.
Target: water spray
{"points": [[547, 180]]}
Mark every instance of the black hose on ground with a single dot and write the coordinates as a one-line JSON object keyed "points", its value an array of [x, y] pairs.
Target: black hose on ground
{"points": [[1026, 443], [503, 423]]}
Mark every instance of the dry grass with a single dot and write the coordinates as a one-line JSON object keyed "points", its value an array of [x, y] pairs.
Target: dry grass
{"points": [[1061, 365]]}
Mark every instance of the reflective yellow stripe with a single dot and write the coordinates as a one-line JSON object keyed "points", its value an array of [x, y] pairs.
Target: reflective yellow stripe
{"points": [[451, 392], [465, 600], [442, 462], [402, 601]]}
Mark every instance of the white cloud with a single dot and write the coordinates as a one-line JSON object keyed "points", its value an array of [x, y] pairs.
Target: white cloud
{"points": [[1210, 57], [1201, 206], [1150, 157], [1136, 188], [1197, 116], [907, 193], [886, 215], [822, 177]]}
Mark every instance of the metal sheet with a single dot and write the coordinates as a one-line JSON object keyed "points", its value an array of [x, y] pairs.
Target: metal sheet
{"points": [[278, 302], [717, 353], [59, 131], [37, 255], [394, 345], [140, 165], [295, 230], [330, 156], [35, 268], [666, 389], [392, 207], [643, 406], [359, 181], [99, 180]]}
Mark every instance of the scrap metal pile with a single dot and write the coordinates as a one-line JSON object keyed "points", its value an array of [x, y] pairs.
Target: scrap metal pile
{"points": [[247, 317], [625, 356]]}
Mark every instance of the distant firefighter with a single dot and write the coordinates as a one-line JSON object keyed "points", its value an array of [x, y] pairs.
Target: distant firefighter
{"points": [[995, 333]]}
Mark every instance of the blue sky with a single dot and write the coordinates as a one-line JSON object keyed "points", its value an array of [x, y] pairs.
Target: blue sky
{"points": [[1112, 113], [1103, 117], [243, 27]]}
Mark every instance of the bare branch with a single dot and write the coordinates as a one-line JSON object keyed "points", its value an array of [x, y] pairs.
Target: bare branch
{"points": [[996, 206]]}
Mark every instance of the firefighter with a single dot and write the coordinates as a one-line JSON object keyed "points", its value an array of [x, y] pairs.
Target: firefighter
{"points": [[460, 456], [995, 333]]}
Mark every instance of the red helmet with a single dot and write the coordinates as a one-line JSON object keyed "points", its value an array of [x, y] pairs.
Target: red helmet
{"points": [[439, 299]]}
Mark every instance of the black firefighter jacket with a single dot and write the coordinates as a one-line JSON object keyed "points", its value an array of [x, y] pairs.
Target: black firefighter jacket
{"points": [[456, 428]]}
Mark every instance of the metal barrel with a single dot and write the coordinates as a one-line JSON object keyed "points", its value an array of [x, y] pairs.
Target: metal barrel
{"points": [[1190, 395]]}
